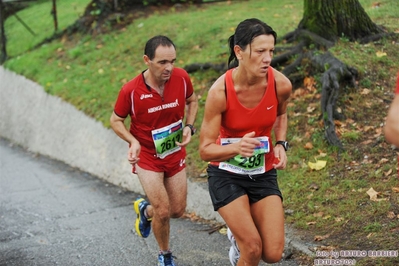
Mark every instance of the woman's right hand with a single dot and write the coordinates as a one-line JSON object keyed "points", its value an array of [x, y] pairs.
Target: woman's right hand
{"points": [[247, 144]]}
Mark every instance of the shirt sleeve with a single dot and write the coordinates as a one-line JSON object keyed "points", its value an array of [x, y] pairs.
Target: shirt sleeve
{"points": [[123, 103]]}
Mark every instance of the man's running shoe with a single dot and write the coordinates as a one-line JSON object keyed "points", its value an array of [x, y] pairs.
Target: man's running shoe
{"points": [[166, 259], [234, 252], [143, 225]]}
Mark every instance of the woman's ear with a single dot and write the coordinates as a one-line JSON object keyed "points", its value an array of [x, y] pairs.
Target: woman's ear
{"points": [[238, 51]]}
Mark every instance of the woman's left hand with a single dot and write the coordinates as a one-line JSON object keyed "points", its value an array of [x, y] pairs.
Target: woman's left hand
{"points": [[280, 161]]}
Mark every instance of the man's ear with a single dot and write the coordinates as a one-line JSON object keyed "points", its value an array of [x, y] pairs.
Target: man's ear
{"points": [[146, 59]]}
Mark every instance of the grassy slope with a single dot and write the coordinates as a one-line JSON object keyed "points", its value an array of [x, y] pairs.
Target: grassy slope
{"points": [[330, 205]]}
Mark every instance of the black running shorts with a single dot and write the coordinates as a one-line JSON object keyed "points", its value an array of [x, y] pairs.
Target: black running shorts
{"points": [[224, 186]]}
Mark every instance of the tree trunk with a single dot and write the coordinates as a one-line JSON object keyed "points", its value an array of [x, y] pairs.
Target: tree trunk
{"points": [[3, 50], [332, 19], [54, 13]]}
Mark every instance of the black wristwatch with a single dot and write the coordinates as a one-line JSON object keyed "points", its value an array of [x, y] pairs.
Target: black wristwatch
{"points": [[283, 143], [192, 128]]}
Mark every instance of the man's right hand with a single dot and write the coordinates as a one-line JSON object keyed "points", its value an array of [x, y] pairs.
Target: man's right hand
{"points": [[134, 152]]}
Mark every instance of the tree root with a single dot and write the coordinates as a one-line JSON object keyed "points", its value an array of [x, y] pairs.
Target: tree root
{"points": [[335, 76]]}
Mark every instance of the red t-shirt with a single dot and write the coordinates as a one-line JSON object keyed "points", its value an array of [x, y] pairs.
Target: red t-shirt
{"points": [[397, 84], [148, 110], [239, 120]]}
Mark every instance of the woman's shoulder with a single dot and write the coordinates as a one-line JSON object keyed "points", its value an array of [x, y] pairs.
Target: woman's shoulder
{"points": [[283, 84], [280, 77]]}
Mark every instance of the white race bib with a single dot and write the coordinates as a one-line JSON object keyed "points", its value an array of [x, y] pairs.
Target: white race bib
{"points": [[247, 165]]}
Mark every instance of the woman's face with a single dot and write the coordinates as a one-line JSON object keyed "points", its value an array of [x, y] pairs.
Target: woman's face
{"points": [[257, 56]]}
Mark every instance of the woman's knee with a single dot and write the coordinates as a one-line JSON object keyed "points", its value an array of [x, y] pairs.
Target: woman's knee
{"points": [[273, 254], [251, 247]]}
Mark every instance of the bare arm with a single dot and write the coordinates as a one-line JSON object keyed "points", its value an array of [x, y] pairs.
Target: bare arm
{"points": [[214, 107], [284, 88], [391, 129], [117, 124], [191, 113]]}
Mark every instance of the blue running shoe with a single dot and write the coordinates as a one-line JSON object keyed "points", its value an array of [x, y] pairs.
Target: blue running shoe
{"points": [[143, 225], [166, 259]]}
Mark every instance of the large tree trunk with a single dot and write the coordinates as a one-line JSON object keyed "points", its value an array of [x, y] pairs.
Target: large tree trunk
{"points": [[332, 19], [323, 23]]}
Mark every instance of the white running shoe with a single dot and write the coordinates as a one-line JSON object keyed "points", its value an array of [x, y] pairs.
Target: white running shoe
{"points": [[234, 252]]}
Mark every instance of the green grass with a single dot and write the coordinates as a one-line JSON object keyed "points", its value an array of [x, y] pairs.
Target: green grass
{"points": [[39, 19], [88, 72]]}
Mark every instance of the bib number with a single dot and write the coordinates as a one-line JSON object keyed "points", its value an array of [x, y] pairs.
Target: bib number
{"points": [[247, 165], [165, 139]]}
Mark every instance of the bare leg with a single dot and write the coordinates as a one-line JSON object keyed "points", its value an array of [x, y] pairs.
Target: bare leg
{"points": [[268, 215], [257, 228], [167, 197], [237, 216]]}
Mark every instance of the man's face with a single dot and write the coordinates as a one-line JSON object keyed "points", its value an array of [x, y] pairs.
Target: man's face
{"points": [[162, 64]]}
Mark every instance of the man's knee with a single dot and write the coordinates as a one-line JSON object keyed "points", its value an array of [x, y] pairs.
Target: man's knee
{"points": [[178, 211]]}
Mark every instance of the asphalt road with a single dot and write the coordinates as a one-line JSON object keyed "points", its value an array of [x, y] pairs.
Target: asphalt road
{"points": [[52, 214]]}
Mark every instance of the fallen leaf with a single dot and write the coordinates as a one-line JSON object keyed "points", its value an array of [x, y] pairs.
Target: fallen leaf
{"points": [[314, 186], [322, 154], [338, 123], [388, 173], [327, 248], [321, 238], [310, 109], [223, 231], [368, 128], [376, 5], [309, 83], [196, 47], [318, 214], [370, 235], [395, 229], [365, 92], [372, 193], [299, 92], [395, 189], [391, 215], [381, 54], [318, 165], [311, 223], [308, 146]]}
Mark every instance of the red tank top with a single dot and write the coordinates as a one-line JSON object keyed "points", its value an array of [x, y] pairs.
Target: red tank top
{"points": [[239, 120]]}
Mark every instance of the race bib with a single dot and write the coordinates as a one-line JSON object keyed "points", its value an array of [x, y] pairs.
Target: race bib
{"points": [[165, 139], [247, 165]]}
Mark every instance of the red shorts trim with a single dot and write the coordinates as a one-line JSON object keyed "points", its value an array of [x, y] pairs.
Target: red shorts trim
{"points": [[170, 165]]}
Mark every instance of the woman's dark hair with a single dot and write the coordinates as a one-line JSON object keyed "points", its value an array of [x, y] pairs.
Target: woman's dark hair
{"points": [[153, 43], [246, 31]]}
